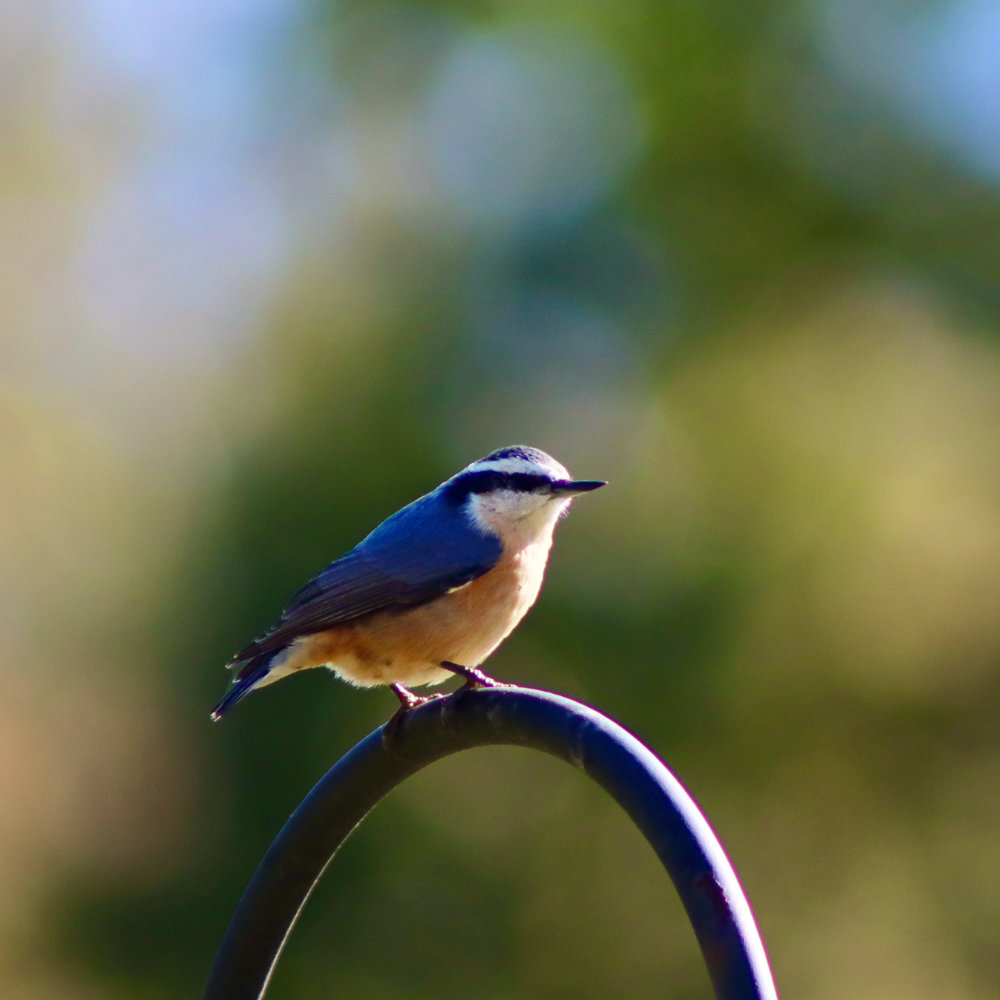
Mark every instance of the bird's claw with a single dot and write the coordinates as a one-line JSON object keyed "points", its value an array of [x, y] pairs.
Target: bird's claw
{"points": [[474, 677], [407, 702], [407, 699]]}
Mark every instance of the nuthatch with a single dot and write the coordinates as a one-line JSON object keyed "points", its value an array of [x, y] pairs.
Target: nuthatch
{"points": [[431, 592]]}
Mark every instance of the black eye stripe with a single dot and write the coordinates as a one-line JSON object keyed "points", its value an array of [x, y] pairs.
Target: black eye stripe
{"points": [[528, 482], [488, 480], [485, 481]]}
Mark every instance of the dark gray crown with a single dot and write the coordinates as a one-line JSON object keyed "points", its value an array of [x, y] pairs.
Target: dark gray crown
{"points": [[519, 451]]}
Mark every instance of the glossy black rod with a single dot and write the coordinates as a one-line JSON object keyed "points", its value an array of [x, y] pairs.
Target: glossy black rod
{"points": [[616, 760]]}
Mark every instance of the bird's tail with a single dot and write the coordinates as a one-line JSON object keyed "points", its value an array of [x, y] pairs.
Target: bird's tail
{"points": [[250, 675]]}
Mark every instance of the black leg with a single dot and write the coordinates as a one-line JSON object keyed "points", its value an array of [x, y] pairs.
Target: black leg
{"points": [[407, 701], [474, 677]]}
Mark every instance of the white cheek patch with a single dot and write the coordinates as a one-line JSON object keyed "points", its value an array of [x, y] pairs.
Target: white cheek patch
{"points": [[478, 514], [507, 510]]}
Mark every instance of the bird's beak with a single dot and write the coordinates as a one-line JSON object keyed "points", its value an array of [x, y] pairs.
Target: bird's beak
{"points": [[570, 487]]}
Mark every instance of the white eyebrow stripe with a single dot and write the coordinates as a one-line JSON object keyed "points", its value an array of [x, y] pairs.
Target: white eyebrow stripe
{"points": [[516, 465]]}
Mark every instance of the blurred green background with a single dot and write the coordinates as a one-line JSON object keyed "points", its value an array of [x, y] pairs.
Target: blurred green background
{"points": [[272, 268]]}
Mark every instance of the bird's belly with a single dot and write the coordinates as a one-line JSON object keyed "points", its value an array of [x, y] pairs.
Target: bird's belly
{"points": [[408, 645]]}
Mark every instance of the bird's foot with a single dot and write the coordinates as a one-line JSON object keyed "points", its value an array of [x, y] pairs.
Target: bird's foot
{"points": [[407, 701], [474, 677]]}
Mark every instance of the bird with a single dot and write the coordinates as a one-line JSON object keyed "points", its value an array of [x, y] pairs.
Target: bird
{"points": [[428, 594]]}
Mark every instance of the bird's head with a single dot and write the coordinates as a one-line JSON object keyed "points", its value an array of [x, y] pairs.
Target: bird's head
{"points": [[516, 491]]}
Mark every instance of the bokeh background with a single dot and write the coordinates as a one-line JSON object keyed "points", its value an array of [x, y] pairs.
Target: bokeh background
{"points": [[271, 268]]}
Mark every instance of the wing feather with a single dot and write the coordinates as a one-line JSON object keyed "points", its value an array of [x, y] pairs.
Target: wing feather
{"points": [[411, 558]]}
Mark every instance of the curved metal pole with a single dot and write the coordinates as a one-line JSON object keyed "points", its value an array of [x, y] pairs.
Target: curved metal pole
{"points": [[616, 760]]}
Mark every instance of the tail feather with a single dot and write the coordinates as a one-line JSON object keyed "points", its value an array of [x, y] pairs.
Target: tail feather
{"points": [[243, 683]]}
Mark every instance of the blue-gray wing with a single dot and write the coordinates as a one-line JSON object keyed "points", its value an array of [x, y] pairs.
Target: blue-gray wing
{"points": [[419, 553]]}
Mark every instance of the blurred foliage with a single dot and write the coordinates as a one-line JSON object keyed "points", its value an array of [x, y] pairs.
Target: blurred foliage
{"points": [[270, 270]]}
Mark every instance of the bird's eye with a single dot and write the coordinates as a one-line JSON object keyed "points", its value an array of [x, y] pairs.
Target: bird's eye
{"points": [[496, 481], [491, 481], [485, 481], [527, 482]]}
